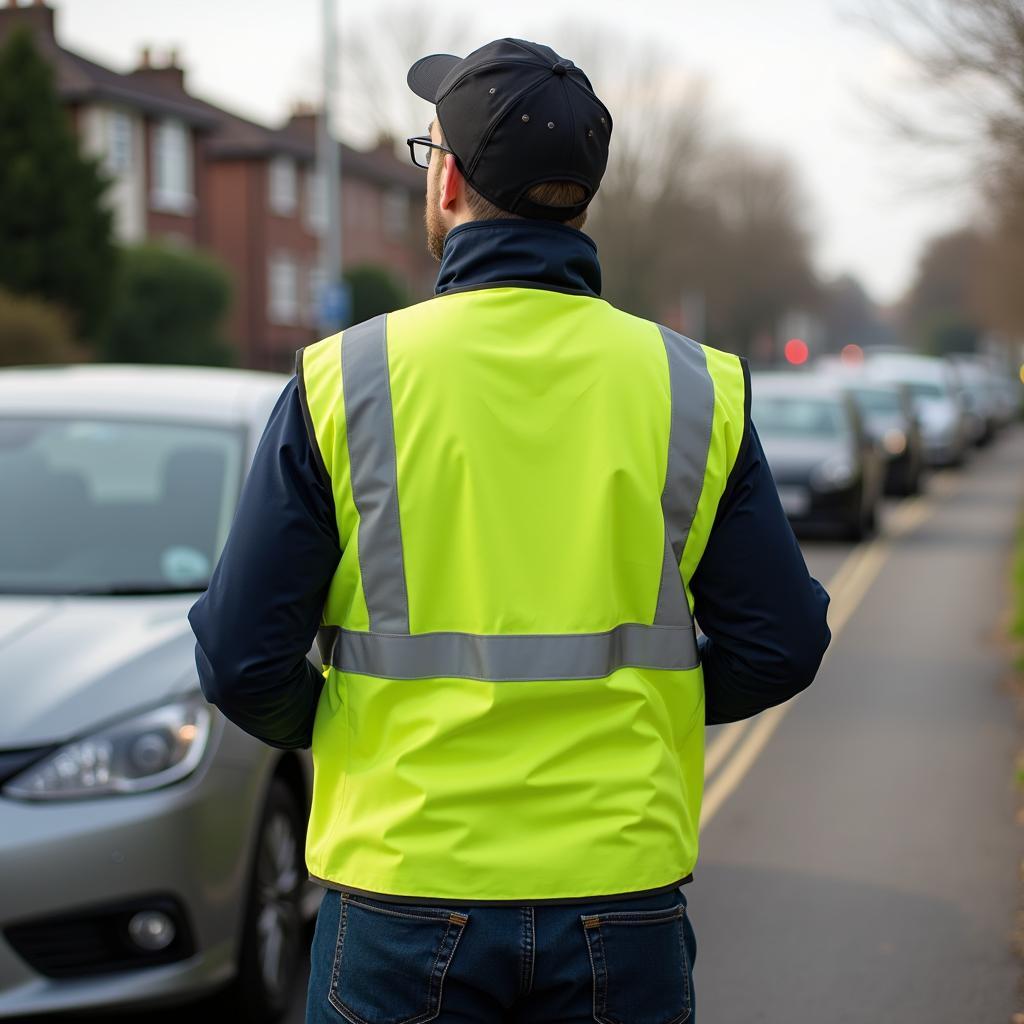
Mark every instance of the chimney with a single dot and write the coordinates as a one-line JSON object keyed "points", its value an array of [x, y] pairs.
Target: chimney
{"points": [[38, 18], [171, 73], [303, 120]]}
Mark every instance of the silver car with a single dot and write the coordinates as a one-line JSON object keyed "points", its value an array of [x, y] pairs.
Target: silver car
{"points": [[149, 850], [935, 388]]}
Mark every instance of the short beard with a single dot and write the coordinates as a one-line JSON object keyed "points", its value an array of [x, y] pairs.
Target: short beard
{"points": [[436, 231]]}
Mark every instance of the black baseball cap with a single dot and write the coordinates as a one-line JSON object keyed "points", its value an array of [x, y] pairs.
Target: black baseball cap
{"points": [[515, 115]]}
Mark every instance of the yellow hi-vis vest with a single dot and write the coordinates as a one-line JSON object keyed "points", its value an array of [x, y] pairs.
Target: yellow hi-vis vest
{"points": [[524, 482]]}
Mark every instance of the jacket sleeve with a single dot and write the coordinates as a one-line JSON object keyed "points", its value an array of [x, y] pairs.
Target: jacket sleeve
{"points": [[259, 617], [762, 613]]}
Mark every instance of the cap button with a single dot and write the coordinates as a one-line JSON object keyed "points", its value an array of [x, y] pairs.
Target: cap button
{"points": [[559, 68]]}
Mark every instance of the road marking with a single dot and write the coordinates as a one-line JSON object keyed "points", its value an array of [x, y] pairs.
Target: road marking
{"points": [[848, 587], [732, 774], [718, 751]]}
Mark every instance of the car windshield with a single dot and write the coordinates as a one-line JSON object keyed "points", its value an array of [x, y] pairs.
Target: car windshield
{"points": [[98, 506], [877, 400], [926, 389], [797, 416]]}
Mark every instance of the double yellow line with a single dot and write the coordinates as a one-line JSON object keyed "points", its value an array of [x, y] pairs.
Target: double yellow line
{"points": [[737, 746]]}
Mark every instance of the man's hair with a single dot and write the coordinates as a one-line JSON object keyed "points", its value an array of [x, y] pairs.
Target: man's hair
{"points": [[549, 193]]}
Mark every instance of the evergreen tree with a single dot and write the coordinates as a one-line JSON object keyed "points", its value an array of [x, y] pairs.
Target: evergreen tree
{"points": [[374, 290], [55, 231], [168, 307]]}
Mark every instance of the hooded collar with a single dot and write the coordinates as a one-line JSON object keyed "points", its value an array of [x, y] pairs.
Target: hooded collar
{"points": [[521, 253]]}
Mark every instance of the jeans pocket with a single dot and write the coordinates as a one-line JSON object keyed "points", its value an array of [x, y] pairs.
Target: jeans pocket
{"points": [[390, 961], [640, 966]]}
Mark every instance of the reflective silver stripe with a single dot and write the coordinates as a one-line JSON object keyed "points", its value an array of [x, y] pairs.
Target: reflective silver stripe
{"points": [[514, 658], [371, 452], [693, 410]]}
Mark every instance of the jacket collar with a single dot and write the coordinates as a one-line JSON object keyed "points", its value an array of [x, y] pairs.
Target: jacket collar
{"points": [[523, 253]]}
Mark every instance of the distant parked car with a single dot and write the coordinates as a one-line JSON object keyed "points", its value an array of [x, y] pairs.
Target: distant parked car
{"points": [[940, 407], [981, 394], [889, 416], [149, 850], [827, 468]]}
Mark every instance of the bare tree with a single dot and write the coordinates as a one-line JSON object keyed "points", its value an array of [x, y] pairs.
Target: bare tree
{"points": [[376, 52], [757, 263], [970, 54], [647, 213]]}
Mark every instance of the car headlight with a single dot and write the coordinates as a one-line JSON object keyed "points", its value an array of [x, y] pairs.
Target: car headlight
{"points": [[833, 474], [894, 441], [144, 752]]}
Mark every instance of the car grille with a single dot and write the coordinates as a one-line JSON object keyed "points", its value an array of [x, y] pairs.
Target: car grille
{"points": [[14, 762], [96, 941]]}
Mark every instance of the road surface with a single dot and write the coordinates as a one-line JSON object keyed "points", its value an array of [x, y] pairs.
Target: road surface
{"points": [[859, 854], [864, 868]]}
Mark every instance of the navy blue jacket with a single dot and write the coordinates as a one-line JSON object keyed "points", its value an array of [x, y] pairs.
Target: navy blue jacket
{"points": [[763, 616]]}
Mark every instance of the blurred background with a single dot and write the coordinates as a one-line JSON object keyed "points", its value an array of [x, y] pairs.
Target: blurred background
{"points": [[834, 189]]}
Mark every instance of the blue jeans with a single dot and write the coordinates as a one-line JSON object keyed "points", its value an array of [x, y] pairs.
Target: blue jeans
{"points": [[612, 961]]}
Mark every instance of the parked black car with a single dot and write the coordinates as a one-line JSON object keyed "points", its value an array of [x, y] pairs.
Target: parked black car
{"points": [[827, 468], [889, 417]]}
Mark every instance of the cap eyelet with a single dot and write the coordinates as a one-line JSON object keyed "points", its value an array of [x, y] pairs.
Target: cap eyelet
{"points": [[551, 124], [525, 118], [590, 133], [603, 121], [492, 90]]}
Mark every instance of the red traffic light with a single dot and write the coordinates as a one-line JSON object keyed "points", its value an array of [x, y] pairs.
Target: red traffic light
{"points": [[796, 351]]}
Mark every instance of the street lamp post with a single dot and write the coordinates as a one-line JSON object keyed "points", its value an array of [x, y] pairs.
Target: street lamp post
{"points": [[333, 299]]}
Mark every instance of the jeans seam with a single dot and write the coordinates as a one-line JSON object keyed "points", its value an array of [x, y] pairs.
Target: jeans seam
{"points": [[685, 961], [339, 944], [528, 949], [441, 914], [451, 957], [533, 947], [593, 967]]}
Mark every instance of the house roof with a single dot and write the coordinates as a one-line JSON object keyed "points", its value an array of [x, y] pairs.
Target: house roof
{"points": [[79, 79], [161, 92]]}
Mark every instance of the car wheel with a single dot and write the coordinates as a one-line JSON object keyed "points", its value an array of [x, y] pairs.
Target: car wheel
{"points": [[871, 519], [862, 521], [273, 936]]}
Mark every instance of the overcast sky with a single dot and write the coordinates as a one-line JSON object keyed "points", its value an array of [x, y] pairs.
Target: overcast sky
{"points": [[790, 75]]}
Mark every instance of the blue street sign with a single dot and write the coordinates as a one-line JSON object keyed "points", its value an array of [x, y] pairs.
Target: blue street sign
{"points": [[335, 305]]}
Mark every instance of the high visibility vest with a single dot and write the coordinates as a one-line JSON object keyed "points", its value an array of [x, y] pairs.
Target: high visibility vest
{"points": [[524, 482]]}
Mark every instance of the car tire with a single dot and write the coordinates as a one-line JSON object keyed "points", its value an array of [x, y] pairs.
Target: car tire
{"points": [[862, 523], [273, 934]]}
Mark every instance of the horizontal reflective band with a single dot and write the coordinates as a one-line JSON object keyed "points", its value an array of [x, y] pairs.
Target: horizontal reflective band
{"points": [[514, 658]]}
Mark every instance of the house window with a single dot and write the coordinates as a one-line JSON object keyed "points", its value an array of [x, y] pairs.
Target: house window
{"points": [[316, 202], [283, 291], [172, 167], [395, 213], [119, 142], [284, 186]]}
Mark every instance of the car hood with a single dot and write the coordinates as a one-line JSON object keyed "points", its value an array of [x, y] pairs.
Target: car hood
{"points": [[796, 454], [68, 664]]}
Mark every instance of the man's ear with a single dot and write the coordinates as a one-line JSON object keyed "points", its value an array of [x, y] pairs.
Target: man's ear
{"points": [[452, 183]]}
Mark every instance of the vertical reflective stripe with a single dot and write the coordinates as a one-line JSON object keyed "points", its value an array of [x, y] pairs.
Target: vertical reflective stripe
{"points": [[371, 449], [673, 609], [693, 410]]}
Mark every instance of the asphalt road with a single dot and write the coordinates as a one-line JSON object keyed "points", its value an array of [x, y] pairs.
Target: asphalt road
{"points": [[865, 867], [859, 858]]}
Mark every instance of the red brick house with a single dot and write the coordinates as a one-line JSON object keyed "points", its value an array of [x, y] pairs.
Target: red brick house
{"points": [[185, 171]]}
